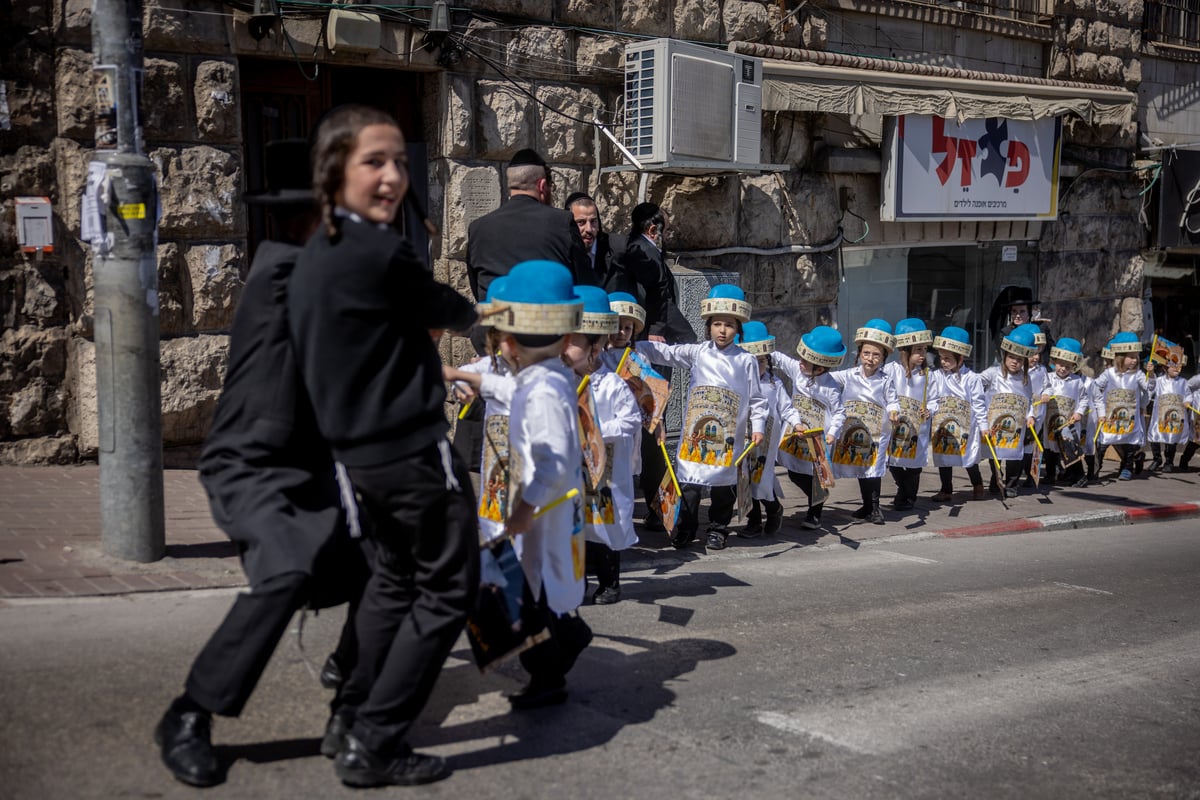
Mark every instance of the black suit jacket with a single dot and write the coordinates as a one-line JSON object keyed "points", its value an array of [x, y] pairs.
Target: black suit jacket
{"points": [[609, 265], [523, 229], [644, 263]]}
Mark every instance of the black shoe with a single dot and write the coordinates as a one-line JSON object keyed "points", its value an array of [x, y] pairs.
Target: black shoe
{"points": [[335, 734], [752, 531], [1010, 491], [607, 596], [1168, 467], [876, 516], [537, 695], [716, 537], [331, 676], [1081, 483], [902, 505], [358, 766], [1139, 463], [186, 745], [810, 524], [862, 513], [773, 525], [682, 539], [653, 524]]}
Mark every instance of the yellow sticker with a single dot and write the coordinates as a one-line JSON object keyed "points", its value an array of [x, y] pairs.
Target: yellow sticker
{"points": [[132, 211]]}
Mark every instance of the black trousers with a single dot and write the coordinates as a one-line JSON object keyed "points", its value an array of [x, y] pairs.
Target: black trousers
{"points": [[229, 667], [947, 475], [653, 470], [773, 509], [805, 482], [603, 562], [549, 661], [720, 507], [424, 584]]}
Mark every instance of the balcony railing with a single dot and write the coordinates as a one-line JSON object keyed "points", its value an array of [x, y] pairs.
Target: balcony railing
{"points": [[1024, 10], [1173, 22]]}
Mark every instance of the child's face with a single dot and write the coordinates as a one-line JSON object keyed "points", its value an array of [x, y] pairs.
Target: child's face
{"points": [[811, 370], [1013, 364], [949, 361], [624, 334], [1062, 369], [1035, 360], [763, 363], [871, 356], [1172, 370], [376, 178], [1125, 362], [722, 330], [916, 356], [579, 355]]}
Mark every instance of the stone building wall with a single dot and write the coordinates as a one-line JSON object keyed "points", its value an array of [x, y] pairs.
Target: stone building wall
{"points": [[475, 119]]}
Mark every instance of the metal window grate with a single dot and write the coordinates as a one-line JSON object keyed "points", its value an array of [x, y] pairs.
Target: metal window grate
{"points": [[1173, 22], [1025, 10]]}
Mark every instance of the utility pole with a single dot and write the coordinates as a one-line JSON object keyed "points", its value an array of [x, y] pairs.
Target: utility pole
{"points": [[128, 394]]}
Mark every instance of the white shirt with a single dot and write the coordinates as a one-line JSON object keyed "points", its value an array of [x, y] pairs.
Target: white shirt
{"points": [[546, 463], [961, 414], [725, 400], [1172, 421], [861, 448], [818, 401], [608, 512]]}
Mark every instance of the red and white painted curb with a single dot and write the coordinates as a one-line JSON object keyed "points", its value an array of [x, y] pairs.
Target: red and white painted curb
{"points": [[1087, 519]]}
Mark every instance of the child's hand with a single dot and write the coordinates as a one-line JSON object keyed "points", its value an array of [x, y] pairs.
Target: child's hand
{"points": [[894, 416], [1044, 399], [1074, 418], [829, 438], [1032, 421], [925, 414], [520, 520], [757, 438], [464, 393]]}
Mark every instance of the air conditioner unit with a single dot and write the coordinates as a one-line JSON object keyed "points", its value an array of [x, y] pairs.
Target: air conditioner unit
{"points": [[692, 107]]}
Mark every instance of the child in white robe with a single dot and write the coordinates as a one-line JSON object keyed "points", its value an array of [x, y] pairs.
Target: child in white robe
{"points": [[909, 449], [1121, 394], [1066, 401], [961, 414], [1010, 404], [1171, 423]]}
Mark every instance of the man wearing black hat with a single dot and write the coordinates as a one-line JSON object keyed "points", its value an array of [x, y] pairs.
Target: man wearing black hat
{"points": [[644, 263], [271, 484], [526, 228], [604, 250]]}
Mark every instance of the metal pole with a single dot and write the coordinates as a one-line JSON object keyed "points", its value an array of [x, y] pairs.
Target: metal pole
{"points": [[128, 395]]}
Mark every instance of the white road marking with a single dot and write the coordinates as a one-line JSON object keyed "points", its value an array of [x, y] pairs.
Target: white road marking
{"points": [[907, 557], [1081, 588]]}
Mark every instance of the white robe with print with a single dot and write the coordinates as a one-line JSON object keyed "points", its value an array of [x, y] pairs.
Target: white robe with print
{"points": [[724, 404], [1009, 402], [1171, 423], [819, 403], [962, 388], [1119, 400], [546, 463], [867, 429], [918, 389], [608, 515], [764, 483], [496, 388], [1069, 396]]}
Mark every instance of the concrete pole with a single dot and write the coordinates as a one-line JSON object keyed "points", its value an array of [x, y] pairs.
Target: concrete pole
{"points": [[126, 296]]}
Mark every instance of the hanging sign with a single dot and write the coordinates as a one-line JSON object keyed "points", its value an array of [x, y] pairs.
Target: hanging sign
{"points": [[984, 169]]}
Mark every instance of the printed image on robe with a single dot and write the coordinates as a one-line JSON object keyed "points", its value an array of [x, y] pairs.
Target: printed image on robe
{"points": [[951, 426], [667, 501], [502, 623], [1007, 413], [598, 508], [708, 431], [745, 500], [906, 431], [812, 416], [1069, 446], [1121, 405], [650, 389], [858, 444], [1170, 411], [1058, 411], [757, 460], [590, 440], [577, 541], [493, 485], [1195, 425], [516, 467]]}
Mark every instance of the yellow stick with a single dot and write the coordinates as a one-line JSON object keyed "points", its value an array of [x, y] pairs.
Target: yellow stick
{"points": [[583, 384], [463, 413], [670, 469], [808, 432], [745, 452], [1036, 440], [995, 458], [1150, 361], [556, 503], [621, 363], [1194, 411]]}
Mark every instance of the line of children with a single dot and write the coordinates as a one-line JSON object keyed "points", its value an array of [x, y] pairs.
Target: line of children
{"points": [[908, 453], [817, 397], [962, 414], [724, 403], [765, 491], [608, 507], [871, 408]]}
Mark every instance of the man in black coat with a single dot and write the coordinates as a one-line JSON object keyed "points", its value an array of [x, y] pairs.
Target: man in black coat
{"points": [[604, 250], [272, 488], [644, 263]]}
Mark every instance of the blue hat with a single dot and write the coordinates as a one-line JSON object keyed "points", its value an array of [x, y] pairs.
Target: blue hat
{"points": [[1125, 342], [876, 331], [954, 339], [911, 332], [755, 340], [484, 309], [1069, 350], [725, 298], [538, 298], [626, 305], [597, 316], [1020, 342], [822, 346]]}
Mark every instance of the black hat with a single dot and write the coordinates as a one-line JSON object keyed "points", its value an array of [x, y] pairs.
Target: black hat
{"points": [[643, 213], [289, 174], [1016, 296], [526, 157]]}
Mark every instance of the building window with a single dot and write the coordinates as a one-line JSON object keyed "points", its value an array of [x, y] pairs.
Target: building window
{"points": [[1173, 22], [1039, 11]]}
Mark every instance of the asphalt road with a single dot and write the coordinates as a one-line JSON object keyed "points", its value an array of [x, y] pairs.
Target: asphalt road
{"points": [[1038, 665]]}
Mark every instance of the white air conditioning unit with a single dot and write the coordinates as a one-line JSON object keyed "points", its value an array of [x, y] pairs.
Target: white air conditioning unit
{"points": [[692, 107]]}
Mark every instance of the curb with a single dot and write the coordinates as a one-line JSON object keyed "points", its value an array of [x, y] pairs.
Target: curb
{"points": [[1087, 519]]}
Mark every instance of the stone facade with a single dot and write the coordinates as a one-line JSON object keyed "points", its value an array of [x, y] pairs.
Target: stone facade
{"points": [[567, 69]]}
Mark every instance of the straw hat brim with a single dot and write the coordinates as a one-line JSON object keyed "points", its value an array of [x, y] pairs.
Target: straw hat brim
{"points": [[595, 322], [875, 336], [914, 338], [537, 318], [820, 359], [953, 345], [715, 306], [762, 347], [1019, 350], [631, 310], [1066, 355]]}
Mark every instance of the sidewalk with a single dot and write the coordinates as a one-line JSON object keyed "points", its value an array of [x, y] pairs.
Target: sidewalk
{"points": [[50, 527]]}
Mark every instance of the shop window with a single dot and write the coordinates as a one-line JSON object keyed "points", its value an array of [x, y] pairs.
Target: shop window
{"points": [[1174, 22]]}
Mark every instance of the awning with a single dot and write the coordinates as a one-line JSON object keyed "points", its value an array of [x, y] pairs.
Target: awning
{"points": [[903, 88]]}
